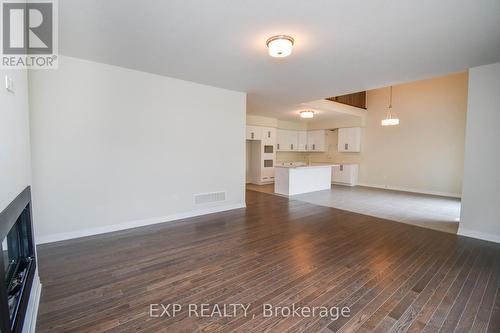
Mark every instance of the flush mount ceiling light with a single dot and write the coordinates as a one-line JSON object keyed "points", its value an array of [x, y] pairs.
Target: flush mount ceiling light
{"points": [[390, 119], [306, 114], [280, 46]]}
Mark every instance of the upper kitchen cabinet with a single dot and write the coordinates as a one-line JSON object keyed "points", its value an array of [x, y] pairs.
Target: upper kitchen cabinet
{"points": [[302, 140], [316, 140], [254, 133], [349, 140], [269, 135], [265, 134], [287, 140]]}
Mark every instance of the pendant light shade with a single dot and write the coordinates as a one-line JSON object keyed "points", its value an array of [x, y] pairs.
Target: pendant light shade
{"points": [[390, 122], [390, 119]]}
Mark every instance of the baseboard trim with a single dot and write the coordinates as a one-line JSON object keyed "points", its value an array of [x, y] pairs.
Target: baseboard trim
{"points": [[478, 235], [412, 190], [134, 224], [29, 325], [345, 184]]}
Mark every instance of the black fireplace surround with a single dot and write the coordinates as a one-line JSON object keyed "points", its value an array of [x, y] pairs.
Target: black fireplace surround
{"points": [[17, 262]]}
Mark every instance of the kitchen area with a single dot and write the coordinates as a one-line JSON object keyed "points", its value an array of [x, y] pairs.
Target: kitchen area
{"points": [[368, 153], [296, 161]]}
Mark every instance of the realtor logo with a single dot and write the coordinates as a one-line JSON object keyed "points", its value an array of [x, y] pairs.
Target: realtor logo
{"points": [[29, 34]]}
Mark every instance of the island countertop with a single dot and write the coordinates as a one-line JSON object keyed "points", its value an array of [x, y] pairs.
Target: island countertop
{"points": [[305, 166]]}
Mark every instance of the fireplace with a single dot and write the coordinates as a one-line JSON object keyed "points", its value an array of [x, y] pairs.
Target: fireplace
{"points": [[17, 262]]}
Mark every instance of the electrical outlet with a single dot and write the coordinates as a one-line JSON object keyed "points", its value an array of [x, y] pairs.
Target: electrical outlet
{"points": [[9, 84]]}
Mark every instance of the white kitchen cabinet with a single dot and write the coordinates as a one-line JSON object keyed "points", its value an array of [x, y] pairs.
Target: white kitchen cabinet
{"points": [[269, 135], [302, 140], [280, 140], [261, 163], [291, 140], [266, 134], [267, 175], [254, 133], [297, 180], [262, 154], [349, 140], [287, 140], [345, 174], [316, 140]]}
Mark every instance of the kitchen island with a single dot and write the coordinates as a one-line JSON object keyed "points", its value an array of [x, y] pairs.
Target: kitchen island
{"points": [[291, 180]]}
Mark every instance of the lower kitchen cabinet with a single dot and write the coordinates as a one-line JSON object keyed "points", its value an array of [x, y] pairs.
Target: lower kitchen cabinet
{"points": [[345, 174]]}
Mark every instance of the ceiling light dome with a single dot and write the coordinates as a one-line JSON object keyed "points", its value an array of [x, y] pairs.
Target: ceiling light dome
{"points": [[280, 46], [306, 114]]}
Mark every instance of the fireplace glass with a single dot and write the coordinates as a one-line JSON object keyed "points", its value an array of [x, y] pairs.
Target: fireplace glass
{"points": [[17, 259], [18, 262]]}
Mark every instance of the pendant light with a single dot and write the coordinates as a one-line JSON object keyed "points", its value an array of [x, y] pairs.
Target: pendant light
{"points": [[390, 119]]}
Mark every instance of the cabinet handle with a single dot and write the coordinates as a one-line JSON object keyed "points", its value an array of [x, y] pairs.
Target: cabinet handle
{"points": [[341, 167], [291, 146], [314, 146], [346, 146], [251, 135], [306, 147], [278, 146], [268, 134]]}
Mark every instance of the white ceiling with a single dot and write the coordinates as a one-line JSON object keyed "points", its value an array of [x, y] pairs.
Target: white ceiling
{"points": [[341, 46]]}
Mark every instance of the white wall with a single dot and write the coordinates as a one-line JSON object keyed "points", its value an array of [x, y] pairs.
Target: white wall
{"points": [[15, 172], [346, 121], [425, 153], [480, 214], [115, 148], [292, 125], [15, 165], [276, 123], [261, 121]]}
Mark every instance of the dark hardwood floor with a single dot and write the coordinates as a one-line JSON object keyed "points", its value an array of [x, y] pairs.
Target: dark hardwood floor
{"points": [[394, 277]]}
